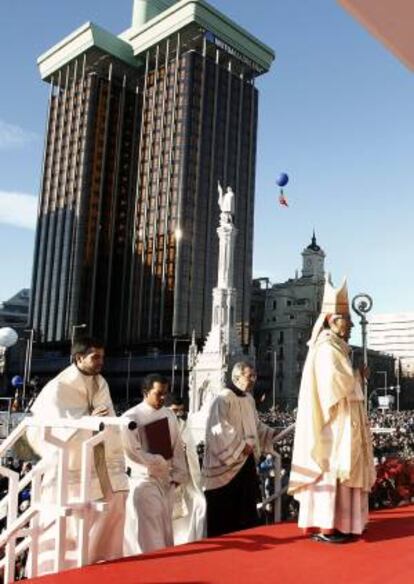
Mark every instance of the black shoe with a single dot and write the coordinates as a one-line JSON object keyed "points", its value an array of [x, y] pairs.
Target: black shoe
{"points": [[334, 538]]}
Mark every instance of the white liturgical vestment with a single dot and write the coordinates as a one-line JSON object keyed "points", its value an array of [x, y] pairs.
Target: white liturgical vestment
{"points": [[189, 513], [332, 464], [72, 394], [150, 501], [232, 423]]}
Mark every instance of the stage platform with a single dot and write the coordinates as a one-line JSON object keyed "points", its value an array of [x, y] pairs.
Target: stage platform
{"points": [[277, 553]]}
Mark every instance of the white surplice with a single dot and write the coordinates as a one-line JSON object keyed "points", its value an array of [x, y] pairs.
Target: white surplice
{"points": [[149, 508], [232, 423], [71, 394], [189, 513]]}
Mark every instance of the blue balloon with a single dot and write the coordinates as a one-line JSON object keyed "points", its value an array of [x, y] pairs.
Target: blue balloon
{"points": [[17, 381], [282, 180]]}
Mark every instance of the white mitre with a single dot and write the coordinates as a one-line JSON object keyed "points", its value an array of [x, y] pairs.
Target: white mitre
{"points": [[335, 301]]}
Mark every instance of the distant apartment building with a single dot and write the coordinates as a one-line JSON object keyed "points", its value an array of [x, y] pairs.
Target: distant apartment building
{"points": [[14, 312], [394, 334], [282, 316]]}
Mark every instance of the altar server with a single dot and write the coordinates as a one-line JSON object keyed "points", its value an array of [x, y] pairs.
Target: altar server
{"points": [[155, 456]]}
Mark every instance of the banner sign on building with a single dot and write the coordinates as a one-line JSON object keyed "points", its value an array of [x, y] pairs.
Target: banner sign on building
{"points": [[211, 38]]}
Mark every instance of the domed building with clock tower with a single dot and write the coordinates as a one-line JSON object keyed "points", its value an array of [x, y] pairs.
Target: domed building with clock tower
{"points": [[282, 316], [313, 260]]}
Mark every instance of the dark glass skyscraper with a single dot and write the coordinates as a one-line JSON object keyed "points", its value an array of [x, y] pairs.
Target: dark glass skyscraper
{"points": [[141, 127]]}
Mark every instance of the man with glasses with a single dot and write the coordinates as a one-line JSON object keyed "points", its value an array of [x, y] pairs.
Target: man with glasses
{"points": [[235, 438]]}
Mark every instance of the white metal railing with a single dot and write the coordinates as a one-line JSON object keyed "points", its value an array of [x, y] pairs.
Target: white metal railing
{"points": [[23, 531]]}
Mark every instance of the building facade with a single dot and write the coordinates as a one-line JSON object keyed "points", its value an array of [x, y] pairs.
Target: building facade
{"points": [[282, 319], [394, 334], [141, 127], [14, 312]]}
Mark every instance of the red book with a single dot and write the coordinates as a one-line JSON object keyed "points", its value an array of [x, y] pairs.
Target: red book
{"points": [[159, 438]]}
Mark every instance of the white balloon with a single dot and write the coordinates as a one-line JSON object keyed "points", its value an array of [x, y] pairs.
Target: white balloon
{"points": [[8, 337]]}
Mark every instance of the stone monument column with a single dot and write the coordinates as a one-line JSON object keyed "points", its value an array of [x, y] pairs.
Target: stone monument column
{"points": [[208, 369]]}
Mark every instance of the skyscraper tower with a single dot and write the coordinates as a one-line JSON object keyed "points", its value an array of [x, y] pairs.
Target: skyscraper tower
{"points": [[141, 127]]}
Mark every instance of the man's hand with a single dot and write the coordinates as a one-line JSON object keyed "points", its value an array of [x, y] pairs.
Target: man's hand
{"points": [[247, 450], [100, 411]]}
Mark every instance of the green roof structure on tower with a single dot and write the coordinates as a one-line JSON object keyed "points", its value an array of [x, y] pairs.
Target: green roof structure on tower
{"points": [[193, 16], [152, 23], [87, 37], [145, 10]]}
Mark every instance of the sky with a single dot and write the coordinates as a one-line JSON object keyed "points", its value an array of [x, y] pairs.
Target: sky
{"points": [[336, 114]]}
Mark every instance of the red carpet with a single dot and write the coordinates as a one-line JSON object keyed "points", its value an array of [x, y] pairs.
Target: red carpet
{"points": [[277, 554]]}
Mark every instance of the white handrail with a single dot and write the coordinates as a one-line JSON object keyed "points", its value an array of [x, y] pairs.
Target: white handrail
{"points": [[23, 483], [87, 456], [284, 433], [27, 525]]}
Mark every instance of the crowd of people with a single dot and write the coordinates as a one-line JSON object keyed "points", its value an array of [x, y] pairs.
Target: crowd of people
{"points": [[392, 433], [399, 441]]}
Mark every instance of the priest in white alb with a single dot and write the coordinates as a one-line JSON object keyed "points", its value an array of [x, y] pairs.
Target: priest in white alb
{"points": [[155, 456], [80, 390], [332, 465], [235, 438]]}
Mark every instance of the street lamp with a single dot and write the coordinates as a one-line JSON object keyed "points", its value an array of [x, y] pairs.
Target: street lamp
{"points": [[271, 351], [397, 391], [386, 388], [128, 379], [385, 374], [178, 236], [398, 386], [27, 362], [75, 327], [8, 338], [174, 364], [274, 380]]}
